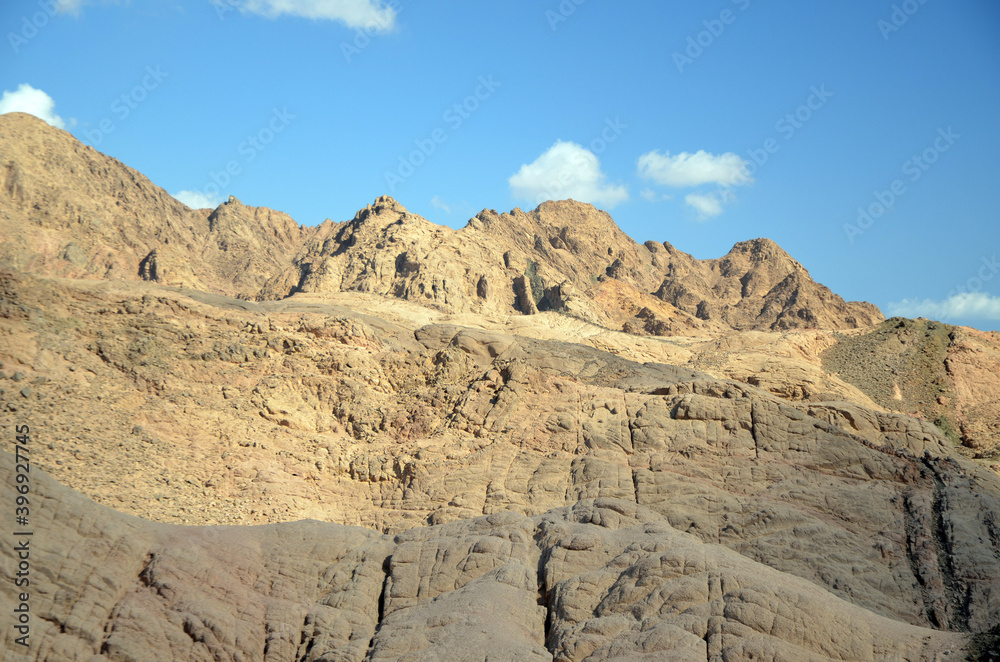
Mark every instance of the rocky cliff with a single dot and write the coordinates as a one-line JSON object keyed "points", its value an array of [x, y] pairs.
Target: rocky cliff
{"points": [[566, 257]]}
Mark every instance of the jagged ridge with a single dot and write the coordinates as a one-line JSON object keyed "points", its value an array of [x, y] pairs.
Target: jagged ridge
{"points": [[71, 211]]}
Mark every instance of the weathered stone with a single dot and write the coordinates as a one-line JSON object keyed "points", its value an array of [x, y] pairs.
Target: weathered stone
{"points": [[441, 477]]}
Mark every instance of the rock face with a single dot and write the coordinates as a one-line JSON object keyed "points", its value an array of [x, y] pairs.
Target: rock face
{"points": [[604, 579], [449, 451], [567, 257], [610, 507], [68, 210], [758, 286]]}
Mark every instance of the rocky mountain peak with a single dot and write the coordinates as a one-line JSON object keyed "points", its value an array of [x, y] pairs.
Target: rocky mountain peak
{"points": [[384, 208], [25, 127], [74, 212], [556, 213], [757, 253], [106, 220], [759, 250]]}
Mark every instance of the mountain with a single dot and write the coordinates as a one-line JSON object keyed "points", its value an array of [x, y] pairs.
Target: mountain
{"points": [[530, 438], [74, 212], [934, 371], [566, 257], [71, 211]]}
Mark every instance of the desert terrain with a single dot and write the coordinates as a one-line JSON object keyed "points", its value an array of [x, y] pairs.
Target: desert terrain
{"points": [[529, 438]]}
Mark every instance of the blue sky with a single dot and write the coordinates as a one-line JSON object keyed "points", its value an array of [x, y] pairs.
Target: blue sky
{"points": [[861, 135]]}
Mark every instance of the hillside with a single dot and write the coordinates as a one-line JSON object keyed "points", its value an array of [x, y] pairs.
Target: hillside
{"points": [[70, 211], [528, 438]]}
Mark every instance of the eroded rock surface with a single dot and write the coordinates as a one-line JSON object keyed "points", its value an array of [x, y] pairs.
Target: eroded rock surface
{"points": [[603, 579], [219, 410], [68, 210]]}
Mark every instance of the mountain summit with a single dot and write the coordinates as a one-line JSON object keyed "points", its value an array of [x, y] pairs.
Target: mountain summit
{"points": [[71, 211]]}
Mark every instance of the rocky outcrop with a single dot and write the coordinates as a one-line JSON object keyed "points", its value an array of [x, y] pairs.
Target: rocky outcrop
{"points": [[758, 286], [567, 257], [603, 579], [70, 211]]}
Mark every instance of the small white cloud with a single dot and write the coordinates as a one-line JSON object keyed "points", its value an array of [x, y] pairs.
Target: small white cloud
{"points": [[685, 169], [197, 199], [970, 305], [652, 196], [707, 206], [74, 6], [27, 99], [566, 170], [69, 6], [436, 201], [365, 14]]}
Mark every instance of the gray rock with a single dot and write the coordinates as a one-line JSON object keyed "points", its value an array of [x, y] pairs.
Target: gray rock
{"points": [[603, 579]]}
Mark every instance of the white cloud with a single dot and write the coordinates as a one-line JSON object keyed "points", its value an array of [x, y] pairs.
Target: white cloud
{"points": [[69, 6], [566, 170], [27, 99], [436, 201], [74, 6], [653, 196], [366, 14], [685, 169], [371, 15], [970, 305], [707, 206], [197, 199]]}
